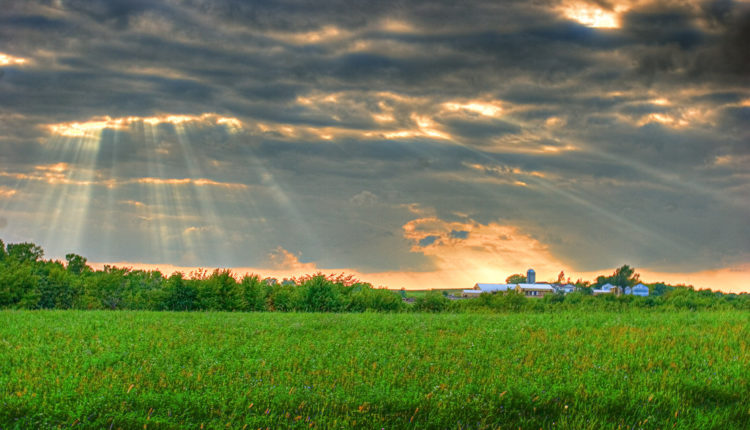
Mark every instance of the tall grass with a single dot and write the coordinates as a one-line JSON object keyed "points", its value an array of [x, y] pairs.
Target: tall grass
{"points": [[249, 370]]}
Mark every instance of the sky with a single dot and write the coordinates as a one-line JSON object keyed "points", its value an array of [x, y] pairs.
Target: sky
{"points": [[415, 144]]}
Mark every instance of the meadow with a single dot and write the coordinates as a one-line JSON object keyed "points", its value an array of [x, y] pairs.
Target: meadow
{"points": [[596, 370]]}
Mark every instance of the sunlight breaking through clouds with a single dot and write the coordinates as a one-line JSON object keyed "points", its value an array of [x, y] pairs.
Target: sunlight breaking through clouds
{"points": [[79, 129], [486, 250], [490, 109], [593, 14], [608, 131], [9, 60]]}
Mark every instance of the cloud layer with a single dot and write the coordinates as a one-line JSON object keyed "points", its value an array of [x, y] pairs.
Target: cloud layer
{"points": [[379, 136]]}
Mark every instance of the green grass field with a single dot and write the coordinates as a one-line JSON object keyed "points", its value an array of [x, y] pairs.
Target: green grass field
{"points": [[216, 370]]}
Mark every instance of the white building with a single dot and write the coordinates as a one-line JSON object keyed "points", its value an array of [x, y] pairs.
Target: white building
{"points": [[480, 288], [528, 290], [640, 290]]}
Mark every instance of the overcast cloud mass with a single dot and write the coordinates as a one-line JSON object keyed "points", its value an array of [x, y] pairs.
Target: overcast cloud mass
{"points": [[417, 144]]}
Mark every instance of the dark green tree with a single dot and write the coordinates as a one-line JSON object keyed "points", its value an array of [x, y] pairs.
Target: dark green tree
{"points": [[76, 264], [19, 286], [624, 276], [321, 295], [220, 292], [516, 279], [25, 252], [56, 290], [180, 294], [110, 286], [254, 293]]}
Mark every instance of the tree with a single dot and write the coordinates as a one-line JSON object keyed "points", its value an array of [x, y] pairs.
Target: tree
{"points": [[55, 290], [516, 279], [180, 295], [19, 287], [561, 278], [624, 276], [25, 252], [220, 292], [254, 292], [110, 286], [3, 254], [321, 295], [76, 264]]}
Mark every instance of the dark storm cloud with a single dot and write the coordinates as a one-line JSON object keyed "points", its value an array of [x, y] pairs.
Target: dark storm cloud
{"points": [[671, 44], [608, 145]]}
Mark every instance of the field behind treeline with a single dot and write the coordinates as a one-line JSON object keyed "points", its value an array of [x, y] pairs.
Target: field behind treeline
{"points": [[595, 370]]}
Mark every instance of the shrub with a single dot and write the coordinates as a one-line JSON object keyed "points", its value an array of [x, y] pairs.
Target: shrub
{"points": [[431, 302], [321, 295]]}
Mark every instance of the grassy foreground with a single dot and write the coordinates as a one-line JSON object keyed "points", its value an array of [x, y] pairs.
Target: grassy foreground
{"points": [[218, 370]]}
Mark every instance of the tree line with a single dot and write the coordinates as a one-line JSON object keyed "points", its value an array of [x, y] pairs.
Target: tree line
{"points": [[28, 281]]}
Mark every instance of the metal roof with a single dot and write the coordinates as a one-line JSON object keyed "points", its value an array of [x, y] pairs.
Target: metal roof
{"points": [[538, 287], [493, 287]]}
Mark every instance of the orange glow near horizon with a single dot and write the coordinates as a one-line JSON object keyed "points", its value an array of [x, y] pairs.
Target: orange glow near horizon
{"points": [[727, 280]]}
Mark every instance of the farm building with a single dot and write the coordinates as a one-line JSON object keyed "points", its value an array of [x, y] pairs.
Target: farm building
{"points": [[528, 290], [486, 288], [640, 290], [565, 289], [535, 290], [608, 289]]}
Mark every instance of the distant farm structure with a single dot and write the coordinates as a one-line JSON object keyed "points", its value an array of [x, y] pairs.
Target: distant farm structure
{"points": [[531, 288]]}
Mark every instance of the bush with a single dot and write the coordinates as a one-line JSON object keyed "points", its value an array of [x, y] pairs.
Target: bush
{"points": [[254, 293], [369, 299], [321, 295], [431, 302]]}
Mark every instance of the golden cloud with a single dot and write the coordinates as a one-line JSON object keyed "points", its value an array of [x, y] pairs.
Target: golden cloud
{"points": [[593, 14], [484, 108], [482, 252], [281, 259], [6, 192], [7, 60], [97, 124]]}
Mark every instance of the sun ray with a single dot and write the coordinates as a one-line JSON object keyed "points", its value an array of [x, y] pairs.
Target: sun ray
{"points": [[675, 180], [624, 225], [112, 192], [205, 200], [155, 192], [66, 226], [295, 222]]}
